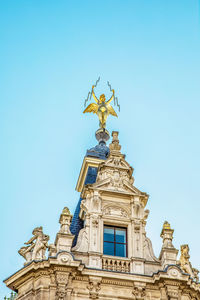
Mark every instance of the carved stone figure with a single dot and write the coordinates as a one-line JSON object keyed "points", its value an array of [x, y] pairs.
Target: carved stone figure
{"points": [[115, 145], [185, 263], [37, 246]]}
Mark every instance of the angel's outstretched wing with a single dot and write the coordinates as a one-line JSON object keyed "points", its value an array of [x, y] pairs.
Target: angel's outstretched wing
{"points": [[93, 107], [111, 110]]}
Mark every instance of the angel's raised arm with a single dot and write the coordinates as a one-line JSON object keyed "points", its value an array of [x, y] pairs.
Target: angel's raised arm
{"points": [[111, 97], [94, 96]]}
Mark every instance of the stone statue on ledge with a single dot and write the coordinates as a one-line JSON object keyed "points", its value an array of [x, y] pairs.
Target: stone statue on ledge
{"points": [[185, 263], [37, 246]]}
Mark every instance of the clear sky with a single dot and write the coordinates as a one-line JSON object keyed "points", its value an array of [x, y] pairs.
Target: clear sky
{"points": [[50, 55]]}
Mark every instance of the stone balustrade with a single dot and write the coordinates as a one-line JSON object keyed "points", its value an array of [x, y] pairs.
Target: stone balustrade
{"points": [[116, 264]]}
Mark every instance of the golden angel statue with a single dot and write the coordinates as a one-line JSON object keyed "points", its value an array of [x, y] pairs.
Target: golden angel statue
{"points": [[102, 108]]}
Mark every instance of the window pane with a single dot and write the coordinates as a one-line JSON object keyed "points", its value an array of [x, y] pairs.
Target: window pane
{"points": [[108, 234], [108, 248], [120, 235], [120, 250]]}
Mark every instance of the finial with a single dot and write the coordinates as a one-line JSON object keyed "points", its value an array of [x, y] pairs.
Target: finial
{"points": [[66, 211], [65, 221], [167, 235], [102, 107], [166, 225]]}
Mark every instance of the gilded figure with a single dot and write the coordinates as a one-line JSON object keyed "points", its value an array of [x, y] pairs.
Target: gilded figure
{"points": [[102, 108]]}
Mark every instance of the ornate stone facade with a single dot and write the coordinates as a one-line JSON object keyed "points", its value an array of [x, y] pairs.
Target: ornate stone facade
{"points": [[84, 271]]}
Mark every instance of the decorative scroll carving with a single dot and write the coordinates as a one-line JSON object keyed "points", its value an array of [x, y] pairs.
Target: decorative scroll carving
{"points": [[148, 251], [82, 242], [115, 211]]}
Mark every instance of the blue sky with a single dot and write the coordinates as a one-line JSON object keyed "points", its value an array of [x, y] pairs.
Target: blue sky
{"points": [[51, 53]]}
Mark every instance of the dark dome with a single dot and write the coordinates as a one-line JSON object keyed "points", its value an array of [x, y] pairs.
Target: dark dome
{"points": [[100, 151]]}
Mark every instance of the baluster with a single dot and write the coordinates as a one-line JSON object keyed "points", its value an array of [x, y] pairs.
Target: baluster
{"points": [[109, 264], [104, 263], [127, 268], [115, 265], [123, 266], [118, 265], [112, 264]]}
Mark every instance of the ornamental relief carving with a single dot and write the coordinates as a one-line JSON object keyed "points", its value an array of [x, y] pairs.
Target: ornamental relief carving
{"points": [[115, 211], [116, 178]]}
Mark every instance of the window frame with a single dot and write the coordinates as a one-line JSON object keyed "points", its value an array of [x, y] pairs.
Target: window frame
{"points": [[114, 242]]}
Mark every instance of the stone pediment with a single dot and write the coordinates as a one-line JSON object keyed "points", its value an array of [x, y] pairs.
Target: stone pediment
{"points": [[120, 186]]}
